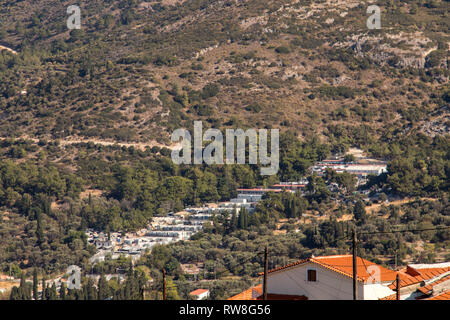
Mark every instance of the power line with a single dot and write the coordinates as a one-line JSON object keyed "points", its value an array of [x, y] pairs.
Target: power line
{"points": [[241, 263], [346, 237], [367, 270], [401, 231], [336, 240]]}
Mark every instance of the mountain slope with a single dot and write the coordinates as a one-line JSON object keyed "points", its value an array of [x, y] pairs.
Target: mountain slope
{"points": [[138, 70]]}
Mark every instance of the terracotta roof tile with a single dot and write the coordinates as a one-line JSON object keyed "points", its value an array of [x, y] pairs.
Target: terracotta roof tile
{"points": [[390, 297], [198, 291], [272, 296], [262, 190], [288, 265], [428, 289], [255, 293], [249, 294], [442, 296], [406, 279]]}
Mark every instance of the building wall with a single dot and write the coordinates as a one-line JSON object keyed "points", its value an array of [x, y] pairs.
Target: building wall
{"points": [[203, 295], [441, 287], [376, 291], [330, 285]]}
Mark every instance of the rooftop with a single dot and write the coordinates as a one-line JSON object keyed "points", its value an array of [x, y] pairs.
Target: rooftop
{"points": [[249, 294], [198, 292], [343, 264], [428, 289], [411, 276], [442, 296], [259, 189]]}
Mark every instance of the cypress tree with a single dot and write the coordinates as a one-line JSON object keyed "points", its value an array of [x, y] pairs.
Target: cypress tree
{"points": [[245, 218], [43, 289], [35, 284], [78, 294], [39, 231], [21, 290], [47, 292], [47, 206], [62, 291], [53, 293], [234, 221], [103, 291], [127, 293], [14, 294], [241, 220], [90, 292], [121, 294], [359, 211]]}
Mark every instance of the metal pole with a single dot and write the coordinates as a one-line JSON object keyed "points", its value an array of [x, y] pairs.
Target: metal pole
{"points": [[395, 259], [265, 274], [397, 294], [355, 272], [164, 284]]}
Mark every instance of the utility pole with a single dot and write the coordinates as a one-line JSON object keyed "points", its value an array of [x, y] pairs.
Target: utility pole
{"points": [[397, 294], [164, 284], [395, 260], [355, 272], [266, 265], [396, 252]]}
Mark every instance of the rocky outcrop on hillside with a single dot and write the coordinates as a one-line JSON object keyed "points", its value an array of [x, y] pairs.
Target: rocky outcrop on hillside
{"points": [[402, 50], [439, 125]]}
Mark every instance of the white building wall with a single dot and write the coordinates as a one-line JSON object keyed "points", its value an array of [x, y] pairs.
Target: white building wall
{"points": [[248, 197], [330, 285], [203, 295], [375, 291]]}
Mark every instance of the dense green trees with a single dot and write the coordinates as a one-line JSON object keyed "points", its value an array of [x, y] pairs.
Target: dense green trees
{"points": [[296, 157], [131, 289], [41, 182], [359, 212], [242, 219], [419, 165], [23, 292], [278, 205], [317, 190], [172, 293]]}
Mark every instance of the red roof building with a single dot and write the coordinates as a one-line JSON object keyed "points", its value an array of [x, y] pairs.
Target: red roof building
{"points": [[331, 278], [324, 278], [200, 294]]}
